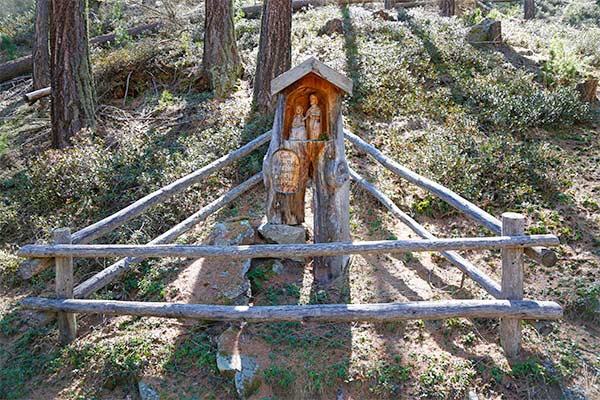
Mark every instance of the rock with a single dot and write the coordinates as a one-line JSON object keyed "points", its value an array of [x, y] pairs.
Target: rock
{"points": [[384, 15], [147, 392], [277, 267], [574, 393], [228, 356], [232, 233], [240, 367], [488, 30], [332, 26], [282, 234], [246, 383]]}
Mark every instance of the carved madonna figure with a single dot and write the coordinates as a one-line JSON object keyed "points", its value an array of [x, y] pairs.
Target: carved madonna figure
{"points": [[298, 126]]}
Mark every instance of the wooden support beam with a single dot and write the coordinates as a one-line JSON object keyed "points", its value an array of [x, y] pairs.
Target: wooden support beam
{"points": [[491, 286], [96, 230], [512, 283], [542, 255], [67, 324], [112, 272], [284, 250], [524, 309]]}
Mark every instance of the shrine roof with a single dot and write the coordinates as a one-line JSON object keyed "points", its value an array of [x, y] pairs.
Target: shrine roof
{"points": [[318, 68]]}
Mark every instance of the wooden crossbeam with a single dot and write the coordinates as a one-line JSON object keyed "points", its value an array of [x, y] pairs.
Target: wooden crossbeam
{"points": [[523, 309], [284, 250]]}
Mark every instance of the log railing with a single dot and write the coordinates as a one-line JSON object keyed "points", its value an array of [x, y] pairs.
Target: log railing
{"points": [[509, 304], [96, 230]]}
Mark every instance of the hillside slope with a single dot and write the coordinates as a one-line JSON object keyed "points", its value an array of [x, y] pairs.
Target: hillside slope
{"points": [[504, 136]]}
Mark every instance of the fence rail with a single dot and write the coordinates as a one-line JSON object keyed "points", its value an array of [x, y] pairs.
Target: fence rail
{"points": [[524, 309], [510, 306], [283, 250]]}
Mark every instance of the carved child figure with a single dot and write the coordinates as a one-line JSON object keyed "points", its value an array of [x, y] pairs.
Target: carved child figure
{"points": [[298, 127], [314, 118]]}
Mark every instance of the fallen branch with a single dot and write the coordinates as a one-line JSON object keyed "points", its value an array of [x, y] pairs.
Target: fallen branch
{"points": [[24, 65]]}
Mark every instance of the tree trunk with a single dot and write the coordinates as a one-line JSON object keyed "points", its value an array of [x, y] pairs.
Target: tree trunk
{"points": [[41, 54], [529, 7], [73, 96], [447, 8], [388, 4], [221, 61], [274, 51]]}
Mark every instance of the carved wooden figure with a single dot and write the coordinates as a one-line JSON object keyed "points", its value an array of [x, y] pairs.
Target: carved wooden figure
{"points": [[310, 145]]}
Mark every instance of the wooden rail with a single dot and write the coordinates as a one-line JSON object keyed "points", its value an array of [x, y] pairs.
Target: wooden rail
{"points": [[524, 309], [110, 273], [542, 255], [96, 230], [283, 250], [491, 286]]}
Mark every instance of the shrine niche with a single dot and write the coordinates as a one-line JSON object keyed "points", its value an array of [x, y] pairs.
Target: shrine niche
{"points": [[307, 144]]}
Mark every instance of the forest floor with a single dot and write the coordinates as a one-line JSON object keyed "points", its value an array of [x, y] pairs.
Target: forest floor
{"points": [[504, 136]]}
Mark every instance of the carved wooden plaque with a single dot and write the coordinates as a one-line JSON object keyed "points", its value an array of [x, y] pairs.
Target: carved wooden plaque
{"points": [[286, 171]]}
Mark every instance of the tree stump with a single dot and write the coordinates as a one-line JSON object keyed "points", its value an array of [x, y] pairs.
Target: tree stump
{"points": [[307, 142]]}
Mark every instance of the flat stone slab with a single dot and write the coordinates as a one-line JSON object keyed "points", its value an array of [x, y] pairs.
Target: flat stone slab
{"points": [[282, 234]]}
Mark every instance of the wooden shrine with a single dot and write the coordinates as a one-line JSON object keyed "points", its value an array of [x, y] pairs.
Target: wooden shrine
{"points": [[308, 142]]}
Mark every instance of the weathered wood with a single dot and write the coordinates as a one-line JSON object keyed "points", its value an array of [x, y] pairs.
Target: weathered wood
{"points": [[255, 11], [491, 286], [67, 324], [311, 65], [24, 65], [524, 309], [447, 7], [587, 89], [34, 96], [512, 283], [283, 250], [388, 4], [331, 188], [529, 9], [96, 230], [543, 256], [112, 272]]}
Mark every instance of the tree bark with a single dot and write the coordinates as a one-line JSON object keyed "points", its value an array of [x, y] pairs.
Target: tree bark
{"points": [[41, 52], [73, 96], [388, 4], [274, 52], [221, 61], [529, 8], [447, 8]]}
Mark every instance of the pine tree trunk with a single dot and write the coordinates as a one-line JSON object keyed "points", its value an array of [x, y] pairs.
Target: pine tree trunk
{"points": [[41, 52], [388, 4], [529, 8], [274, 51], [221, 61], [447, 8], [73, 96]]}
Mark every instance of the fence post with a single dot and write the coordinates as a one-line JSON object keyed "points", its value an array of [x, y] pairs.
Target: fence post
{"points": [[67, 324], [513, 224]]}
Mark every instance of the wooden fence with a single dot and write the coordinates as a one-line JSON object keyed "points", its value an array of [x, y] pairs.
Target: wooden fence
{"points": [[508, 305]]}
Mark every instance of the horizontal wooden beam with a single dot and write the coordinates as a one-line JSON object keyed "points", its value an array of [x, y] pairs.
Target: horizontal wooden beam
{"points": [[523, 309], [283, 250], [115, 270], [544, 256], [491, 286], [96, 230]]}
